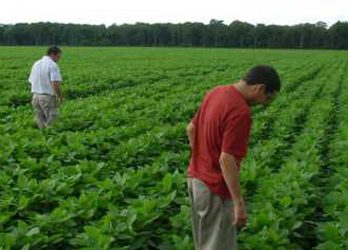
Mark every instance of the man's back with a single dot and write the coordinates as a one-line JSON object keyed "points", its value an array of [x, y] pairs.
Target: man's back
{"points": [[221, 124], [43, 73]]}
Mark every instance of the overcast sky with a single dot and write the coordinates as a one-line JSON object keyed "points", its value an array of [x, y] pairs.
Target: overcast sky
{"points": [[174, 11]]}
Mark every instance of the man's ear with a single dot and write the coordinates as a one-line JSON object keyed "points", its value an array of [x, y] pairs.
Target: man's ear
{"points": [[261, 88]]}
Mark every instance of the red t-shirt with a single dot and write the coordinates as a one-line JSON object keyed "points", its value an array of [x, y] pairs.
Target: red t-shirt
{"points": [[222, 123]]}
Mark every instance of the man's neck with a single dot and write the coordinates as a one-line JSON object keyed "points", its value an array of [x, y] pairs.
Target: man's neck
{"points": [[241, 87]]}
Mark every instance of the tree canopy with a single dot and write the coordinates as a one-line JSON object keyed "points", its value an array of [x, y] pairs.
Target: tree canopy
{"points": [[191, 34]]}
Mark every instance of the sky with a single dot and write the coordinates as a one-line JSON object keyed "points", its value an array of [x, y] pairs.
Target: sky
{"points": [[174, 11]]}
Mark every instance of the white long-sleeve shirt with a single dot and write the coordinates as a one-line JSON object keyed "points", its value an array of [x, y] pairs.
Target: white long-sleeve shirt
{"points": [[43, 73]]}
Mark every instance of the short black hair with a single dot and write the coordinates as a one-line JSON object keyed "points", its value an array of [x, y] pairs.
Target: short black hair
{"points": [[53, 50], [263, 74]]}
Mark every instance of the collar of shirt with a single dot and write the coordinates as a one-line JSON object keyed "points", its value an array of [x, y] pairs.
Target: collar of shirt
{"points": [[47, 57]]}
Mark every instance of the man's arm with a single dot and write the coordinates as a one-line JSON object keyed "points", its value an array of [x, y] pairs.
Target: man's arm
{"points": [[58, 90], [191, 133], [230, 173], [56, 80]]}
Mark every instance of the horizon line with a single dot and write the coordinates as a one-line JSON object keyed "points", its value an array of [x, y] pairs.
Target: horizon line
{"points": [[175, 23]]}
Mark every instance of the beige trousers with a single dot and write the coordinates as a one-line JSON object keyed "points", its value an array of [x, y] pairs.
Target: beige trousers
{"points": [[46, 108], [212, 219]]}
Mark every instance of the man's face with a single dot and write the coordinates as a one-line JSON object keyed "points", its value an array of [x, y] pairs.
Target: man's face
{"points": [[56, 57], [260, 96]]}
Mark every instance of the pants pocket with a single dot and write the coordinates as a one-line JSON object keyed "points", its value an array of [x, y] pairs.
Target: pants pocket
{"points": [[201, 196]]}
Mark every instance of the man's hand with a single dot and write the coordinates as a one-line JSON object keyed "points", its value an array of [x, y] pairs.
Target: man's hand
{"points": [[60, 100], [240, 214]]}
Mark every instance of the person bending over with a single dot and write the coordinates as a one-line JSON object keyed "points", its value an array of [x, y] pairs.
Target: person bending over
{"points": [[218, 137]]}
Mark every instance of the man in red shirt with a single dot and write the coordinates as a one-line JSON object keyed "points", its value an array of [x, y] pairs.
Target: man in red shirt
{"points": [[218, 136]]}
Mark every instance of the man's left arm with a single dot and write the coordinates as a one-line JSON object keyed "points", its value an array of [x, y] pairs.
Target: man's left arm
{"points": [[57, 87], [230, 173], [56, 80], [191, 134], [234, 146]]}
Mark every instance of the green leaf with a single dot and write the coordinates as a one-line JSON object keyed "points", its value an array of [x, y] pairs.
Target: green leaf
{"points": [[33, 231], [23, 202], [286, 201]]}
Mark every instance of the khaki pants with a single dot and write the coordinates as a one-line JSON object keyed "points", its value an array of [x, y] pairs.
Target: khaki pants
{"points": [[46, 108], [212, 219]]}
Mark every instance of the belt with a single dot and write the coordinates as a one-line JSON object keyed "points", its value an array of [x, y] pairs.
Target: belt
{"points": [[42, 94]]}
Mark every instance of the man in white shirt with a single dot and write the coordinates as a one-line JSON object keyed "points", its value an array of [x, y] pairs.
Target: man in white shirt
{"points": [[45, 80]]}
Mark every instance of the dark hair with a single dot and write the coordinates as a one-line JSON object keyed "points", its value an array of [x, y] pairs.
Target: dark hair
{"points": [[53, 50], [263, 74]]}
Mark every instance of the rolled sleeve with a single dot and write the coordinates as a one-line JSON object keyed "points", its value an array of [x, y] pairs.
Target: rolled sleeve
{"points": [[236, 135], [55, 74]]}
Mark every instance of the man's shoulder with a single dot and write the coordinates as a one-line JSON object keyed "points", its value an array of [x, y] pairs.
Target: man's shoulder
{"points": [[51, 62], [37, 62], [48, 61], [222, 89], [218, 88], [215, 91], [53, 65], [238, 109]]}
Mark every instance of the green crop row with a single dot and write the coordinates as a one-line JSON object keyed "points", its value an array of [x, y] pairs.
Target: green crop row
{"points": [[332, 232], [281, 201]]}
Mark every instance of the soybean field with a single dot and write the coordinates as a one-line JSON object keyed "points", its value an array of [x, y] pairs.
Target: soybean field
{"points": [[111, 172]]}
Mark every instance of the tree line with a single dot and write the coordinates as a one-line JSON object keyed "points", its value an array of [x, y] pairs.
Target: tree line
{"points": [[191, 34]]}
